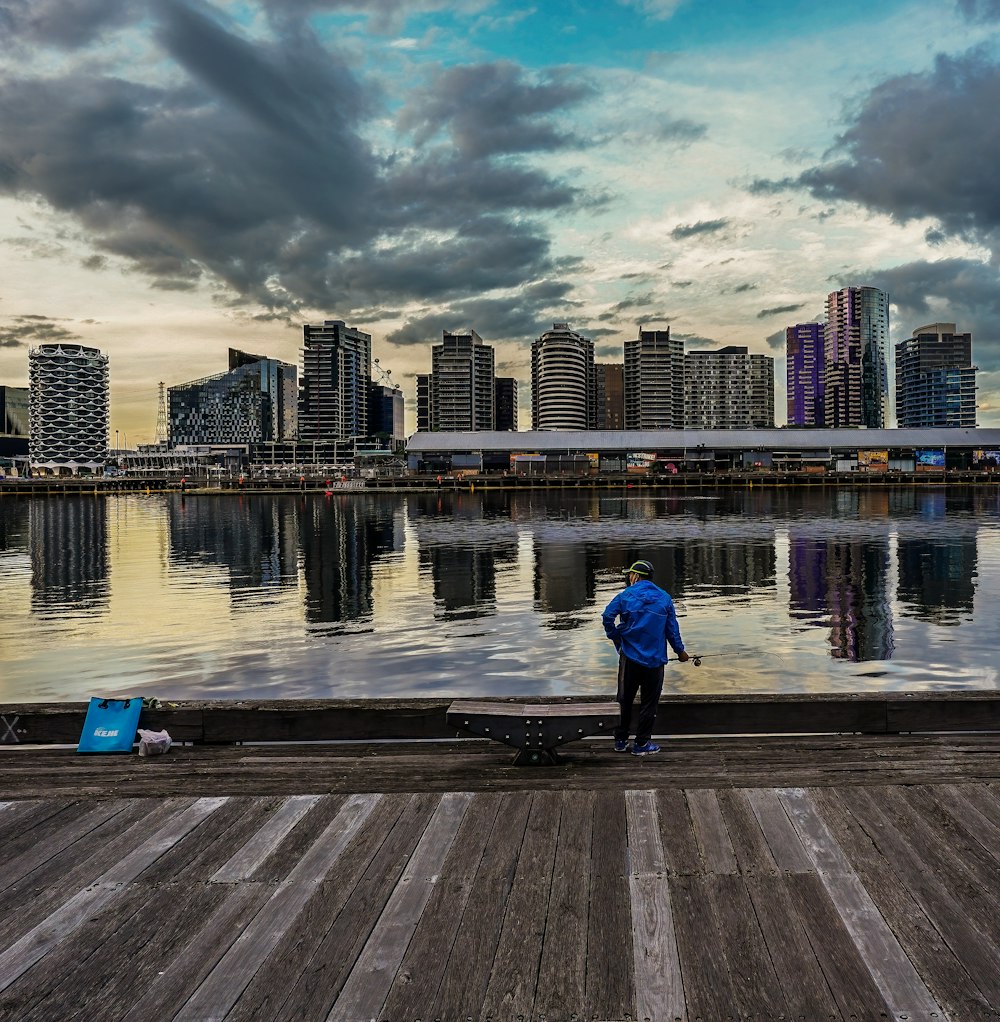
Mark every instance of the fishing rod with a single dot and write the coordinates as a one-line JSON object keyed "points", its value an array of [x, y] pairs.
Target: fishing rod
{"points": [[696, 658]]}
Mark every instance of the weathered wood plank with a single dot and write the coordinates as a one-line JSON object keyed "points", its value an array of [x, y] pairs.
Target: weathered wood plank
{"points": [[562, 973], [341, 943], [291, 846], [677, 837], [945, 975], [286, 979], [35, 944], [749, 844], [420, 973], [610, 985], [893, 972], [781, 836], [659, 989], [367, 986], [187, 964], [250, 856], [511, 989], [464, 983], [976, 949], [711, 831], [756, 990], [47, 846], [799, 976], [217, 994]]}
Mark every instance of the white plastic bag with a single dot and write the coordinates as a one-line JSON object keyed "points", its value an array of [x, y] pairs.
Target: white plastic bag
{"points": [[153, 743]]}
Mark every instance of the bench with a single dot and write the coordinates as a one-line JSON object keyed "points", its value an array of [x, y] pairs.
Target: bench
{"points": [[534, 729]]}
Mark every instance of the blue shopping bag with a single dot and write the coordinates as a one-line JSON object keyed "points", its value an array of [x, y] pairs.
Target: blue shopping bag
{"points": [[110, 725]]}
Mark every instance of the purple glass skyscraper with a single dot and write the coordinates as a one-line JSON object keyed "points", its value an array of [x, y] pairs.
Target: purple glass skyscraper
{"points": [[804, 375]]}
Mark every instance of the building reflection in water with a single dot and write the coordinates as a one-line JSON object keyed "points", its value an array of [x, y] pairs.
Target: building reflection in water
{"points": [[14, 525], [463, 542], [254, 540], [937, 555], [341, 539], [68, 538], [839, 558]]}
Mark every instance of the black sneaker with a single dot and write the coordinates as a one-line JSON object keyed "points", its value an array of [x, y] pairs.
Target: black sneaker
{"points": [[645, 750]]}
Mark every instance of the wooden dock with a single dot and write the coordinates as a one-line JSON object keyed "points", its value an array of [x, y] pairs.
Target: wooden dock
{"points": [[837, 877]]}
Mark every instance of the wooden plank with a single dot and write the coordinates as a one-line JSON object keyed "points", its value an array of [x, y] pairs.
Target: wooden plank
{"points": [[947, 808], [659, 990], [975, 947], [708, 988], [851, 983], [343, 938], [562, 972], [296, 966], [186, 964], [510, 992], [290, 848], [756, 990], [749, 844], [929, 951], [463, 986], [610, 990], [893, 972], [36, 896], [26, 819], [220, 990], [677, 838], [780, 834], [711, 831], [248, 858], [51, 844], [367, 986], [35, 944], [799, 976], [432, 945]]}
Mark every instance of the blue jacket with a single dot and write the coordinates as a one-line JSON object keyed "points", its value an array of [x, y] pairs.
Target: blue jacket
{"points": [[648, 623]]}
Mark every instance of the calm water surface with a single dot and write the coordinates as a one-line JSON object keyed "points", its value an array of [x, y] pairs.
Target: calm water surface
{"points": [[498, 593]]}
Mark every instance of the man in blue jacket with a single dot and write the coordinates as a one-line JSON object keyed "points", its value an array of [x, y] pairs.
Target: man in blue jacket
{"points": [[647, 622]]}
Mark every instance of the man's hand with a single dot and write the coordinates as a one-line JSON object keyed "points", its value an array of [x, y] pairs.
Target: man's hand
{"points": [[683, 657]]}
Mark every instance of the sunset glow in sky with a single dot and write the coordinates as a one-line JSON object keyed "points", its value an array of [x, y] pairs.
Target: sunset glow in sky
{"points": [[178, 177]]}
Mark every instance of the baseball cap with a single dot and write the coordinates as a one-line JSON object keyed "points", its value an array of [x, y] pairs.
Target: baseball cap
{"points": [[642, 568]]}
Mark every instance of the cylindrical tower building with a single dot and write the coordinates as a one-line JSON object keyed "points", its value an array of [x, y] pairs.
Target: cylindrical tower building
{"points": [[68, 407], [562, 380]]}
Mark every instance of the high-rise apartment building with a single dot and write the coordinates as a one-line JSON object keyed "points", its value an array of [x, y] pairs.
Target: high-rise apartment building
{"points": [[254, 402], [69, 409], [505, 404], [385, 413], [728, 389], [856, 388], [609, 388], [336, 373], [562, 380], [935, 378], [654, 381], [805, 374], [458, 394]]}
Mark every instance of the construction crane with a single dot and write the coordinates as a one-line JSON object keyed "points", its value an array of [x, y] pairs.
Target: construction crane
{"points": [[384, 375]]}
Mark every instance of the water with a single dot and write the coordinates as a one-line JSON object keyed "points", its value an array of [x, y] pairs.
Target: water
{"points": [[449, 593]]}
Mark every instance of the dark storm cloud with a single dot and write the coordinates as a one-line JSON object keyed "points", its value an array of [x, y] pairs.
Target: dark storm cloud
{"points": [[490, 109], [682, 231], [776, 341], [24, 330], [66, 24], [920, 145], [980, 10], [253, 170], [765, 313], [741, 288], [694, 341], [960, 291], [679, 130], [521, 318]]}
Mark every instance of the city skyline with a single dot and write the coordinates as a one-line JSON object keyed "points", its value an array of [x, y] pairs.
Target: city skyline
{"points": [[178, 178]]}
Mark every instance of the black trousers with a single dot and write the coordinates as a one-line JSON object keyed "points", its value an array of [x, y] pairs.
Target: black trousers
{"points": [[635, 678]]}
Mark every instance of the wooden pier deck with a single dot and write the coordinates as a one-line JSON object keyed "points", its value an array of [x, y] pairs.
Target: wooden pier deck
{"points": [[807, 878]]}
